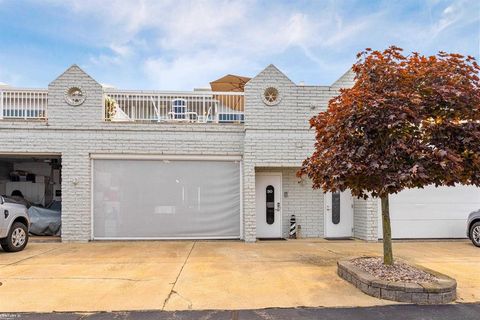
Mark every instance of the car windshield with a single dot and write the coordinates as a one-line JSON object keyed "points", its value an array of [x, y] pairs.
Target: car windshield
{"points": [[7, 199]]}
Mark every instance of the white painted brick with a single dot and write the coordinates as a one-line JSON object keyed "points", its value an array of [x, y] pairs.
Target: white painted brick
{"points": [[272, 138]]}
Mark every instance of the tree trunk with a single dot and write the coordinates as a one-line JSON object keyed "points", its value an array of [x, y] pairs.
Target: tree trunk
{"points": [[387, 232]]}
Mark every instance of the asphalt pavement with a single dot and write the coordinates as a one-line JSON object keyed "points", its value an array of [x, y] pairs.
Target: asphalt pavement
{"points": [[392, 312]]}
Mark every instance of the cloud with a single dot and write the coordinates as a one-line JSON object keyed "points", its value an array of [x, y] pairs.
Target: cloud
{"points": [[180, 38], [189, 71], [118, 55], [8, 78], [456, 14], [174, 44]]}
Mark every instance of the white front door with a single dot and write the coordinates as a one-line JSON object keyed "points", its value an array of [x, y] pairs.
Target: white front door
{"points": [[338, 214], [268, 202]]}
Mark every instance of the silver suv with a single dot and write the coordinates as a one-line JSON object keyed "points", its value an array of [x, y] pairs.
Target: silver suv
{"points": [[473, 227], [14, 224]]}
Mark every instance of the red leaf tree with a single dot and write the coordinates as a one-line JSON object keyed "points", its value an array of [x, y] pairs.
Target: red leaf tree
{"points": [[408, 122]]}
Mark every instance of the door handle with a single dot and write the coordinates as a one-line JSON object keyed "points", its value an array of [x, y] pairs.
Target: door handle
{"points": [[278, 206]]}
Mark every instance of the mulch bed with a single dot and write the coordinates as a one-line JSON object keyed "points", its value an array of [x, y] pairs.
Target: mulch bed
{"points": [[398, 272]]}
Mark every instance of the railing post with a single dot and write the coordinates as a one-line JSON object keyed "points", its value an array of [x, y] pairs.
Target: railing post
{"points": [[26, 104], [45, 105], [135, 107], [1, 104], [161, 115], [104, 107]]}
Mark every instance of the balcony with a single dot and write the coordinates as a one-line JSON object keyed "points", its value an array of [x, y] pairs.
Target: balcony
{"points": [[174, 107], [135, 106], [24, 104]]}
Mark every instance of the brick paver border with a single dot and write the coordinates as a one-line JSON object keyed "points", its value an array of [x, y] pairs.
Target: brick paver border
{"points": [[442, 291]]}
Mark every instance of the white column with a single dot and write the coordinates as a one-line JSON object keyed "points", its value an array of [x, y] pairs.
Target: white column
{"points": [[249, 216]]}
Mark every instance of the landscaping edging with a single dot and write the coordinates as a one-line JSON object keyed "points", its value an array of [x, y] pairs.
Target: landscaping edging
{"points": [[442, 291]]}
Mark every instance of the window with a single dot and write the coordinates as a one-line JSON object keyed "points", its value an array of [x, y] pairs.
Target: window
{"points": [[335, 207], [271, 96], [270, 202]]}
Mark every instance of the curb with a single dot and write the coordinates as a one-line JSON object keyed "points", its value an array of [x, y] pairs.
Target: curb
{"points": [[440, 292]]}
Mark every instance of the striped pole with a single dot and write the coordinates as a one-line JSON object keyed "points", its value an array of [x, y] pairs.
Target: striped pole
{"points": [[293, 227]]}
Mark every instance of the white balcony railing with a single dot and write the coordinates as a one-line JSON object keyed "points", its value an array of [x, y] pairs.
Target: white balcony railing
{"points": [[157, 106], [138, 106], [23, 103]]}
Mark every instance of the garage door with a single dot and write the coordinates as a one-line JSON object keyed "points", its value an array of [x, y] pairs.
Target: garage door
{"points": [[147, 199], [433, 212]]}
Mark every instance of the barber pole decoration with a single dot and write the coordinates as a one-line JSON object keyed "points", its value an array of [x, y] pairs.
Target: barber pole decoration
{"points": [[293, 227]]}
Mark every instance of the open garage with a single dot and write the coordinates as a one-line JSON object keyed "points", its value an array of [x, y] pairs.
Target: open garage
{"points": [[432, 212], [34, 180], [166, 199]]}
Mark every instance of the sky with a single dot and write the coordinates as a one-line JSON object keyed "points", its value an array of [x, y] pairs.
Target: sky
{"points": [[181, 45]]}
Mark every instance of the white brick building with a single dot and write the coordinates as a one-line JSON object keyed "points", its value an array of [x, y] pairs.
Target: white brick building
{"points": [[208, 178]]}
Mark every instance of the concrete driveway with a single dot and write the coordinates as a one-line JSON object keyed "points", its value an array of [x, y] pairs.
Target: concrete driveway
{"points": [[182, 275]]}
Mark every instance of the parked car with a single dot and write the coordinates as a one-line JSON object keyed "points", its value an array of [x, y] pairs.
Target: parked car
{"points": [[473, 227], [14, 224]]}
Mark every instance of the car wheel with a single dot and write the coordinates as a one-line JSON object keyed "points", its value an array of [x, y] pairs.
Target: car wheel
{"points": [[475, 234], [17, 238]]}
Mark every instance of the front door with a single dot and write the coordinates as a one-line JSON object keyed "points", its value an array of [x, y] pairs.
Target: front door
{"points": [[338, 214], [268, 202]]}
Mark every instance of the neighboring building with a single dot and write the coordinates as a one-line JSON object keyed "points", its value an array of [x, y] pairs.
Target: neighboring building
{"points": [[201, 164]]}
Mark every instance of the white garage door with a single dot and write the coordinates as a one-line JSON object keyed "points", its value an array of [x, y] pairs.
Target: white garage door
{"points": [[432, 212], [147, 199]]}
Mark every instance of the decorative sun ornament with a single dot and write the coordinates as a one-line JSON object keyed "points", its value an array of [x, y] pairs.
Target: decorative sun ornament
{"points": [[75, 96], [271, 96]]}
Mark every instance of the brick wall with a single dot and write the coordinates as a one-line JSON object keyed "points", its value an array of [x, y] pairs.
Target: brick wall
{"points": [[279, 136], [62, 114], [275, 137], [365, 219], [77, 132]]}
